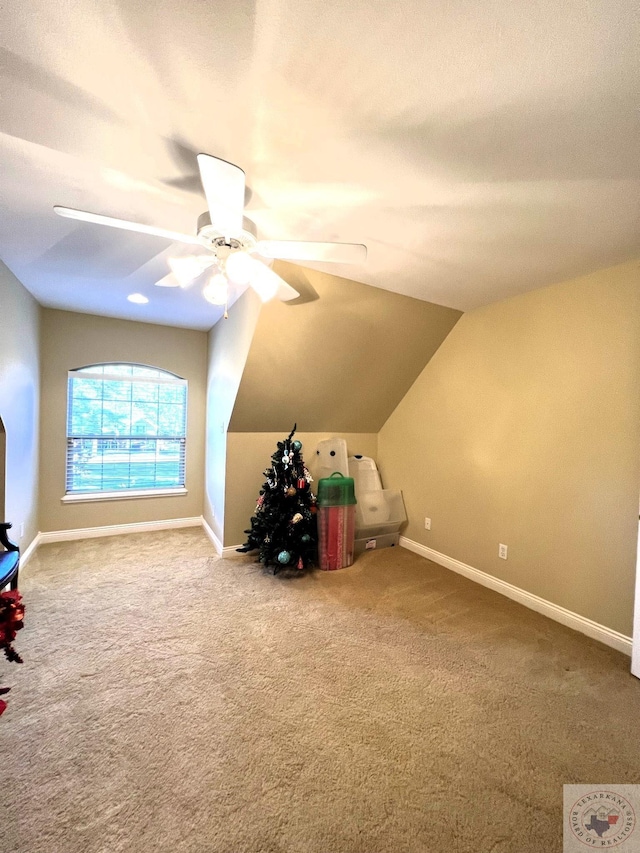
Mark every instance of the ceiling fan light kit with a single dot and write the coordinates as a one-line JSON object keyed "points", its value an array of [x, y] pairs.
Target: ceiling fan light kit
{"points": [[232, 248], [239, 268], [216, 291]]}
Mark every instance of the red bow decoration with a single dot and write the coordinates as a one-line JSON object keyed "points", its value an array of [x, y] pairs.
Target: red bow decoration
{"points": [[11, 621]]}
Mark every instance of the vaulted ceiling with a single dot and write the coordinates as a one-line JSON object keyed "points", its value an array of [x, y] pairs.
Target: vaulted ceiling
{"points": [[478, 149]]}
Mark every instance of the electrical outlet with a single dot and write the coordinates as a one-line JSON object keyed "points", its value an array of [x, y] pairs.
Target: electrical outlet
{"points": [[21, 529], [427, 524], [502, 552]]}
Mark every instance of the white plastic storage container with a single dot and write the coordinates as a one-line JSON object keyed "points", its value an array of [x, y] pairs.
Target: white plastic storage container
{"points": [[365, 474], [379, 512], [372, 543], [331, 456]]}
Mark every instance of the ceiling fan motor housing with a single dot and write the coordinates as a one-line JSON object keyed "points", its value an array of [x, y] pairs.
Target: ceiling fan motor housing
{"points": [[223, 245]]}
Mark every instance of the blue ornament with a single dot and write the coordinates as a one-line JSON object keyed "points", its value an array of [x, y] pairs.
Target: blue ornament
{"points": [[297, 445], [306, 538], [284, 557]]}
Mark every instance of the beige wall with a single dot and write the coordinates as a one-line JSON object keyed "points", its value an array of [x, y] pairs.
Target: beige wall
{"points": [[524, 429], [249, 454], [228, 345], [72, 340], [340, 359], [19, 404]]}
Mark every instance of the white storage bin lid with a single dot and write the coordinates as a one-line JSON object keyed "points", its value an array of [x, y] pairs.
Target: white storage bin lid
{"points": [[361, 463]]}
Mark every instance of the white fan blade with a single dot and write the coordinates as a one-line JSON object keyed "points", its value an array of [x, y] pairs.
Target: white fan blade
{"points": [[286, 292], [268, 284], [298, 250], [223, 185], [186, 270], [98, 219], [169, 280]]}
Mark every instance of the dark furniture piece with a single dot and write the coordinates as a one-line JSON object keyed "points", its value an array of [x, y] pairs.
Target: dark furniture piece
{"points": [[9, 559]]}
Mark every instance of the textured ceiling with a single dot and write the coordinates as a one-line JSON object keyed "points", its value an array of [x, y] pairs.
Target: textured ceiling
{"points": [[478, 149]]}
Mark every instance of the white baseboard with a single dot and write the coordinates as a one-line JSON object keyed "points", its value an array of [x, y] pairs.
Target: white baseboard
{"points": [[116, 529], [559, 614], [230, 549], [221, 551], [29, 551], [43, 538], [217, 544]]}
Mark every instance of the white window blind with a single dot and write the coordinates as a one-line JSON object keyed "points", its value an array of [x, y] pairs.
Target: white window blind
{"points": [[126, 429]]}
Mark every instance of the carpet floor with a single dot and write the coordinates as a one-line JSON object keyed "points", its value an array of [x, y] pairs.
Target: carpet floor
{"points": [[175, 702]]}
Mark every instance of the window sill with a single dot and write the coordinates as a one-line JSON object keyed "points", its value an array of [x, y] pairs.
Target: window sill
{"points": [[84, 497]]}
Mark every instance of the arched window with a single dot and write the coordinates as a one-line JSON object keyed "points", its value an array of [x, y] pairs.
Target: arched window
{"points": [[126, 431]]}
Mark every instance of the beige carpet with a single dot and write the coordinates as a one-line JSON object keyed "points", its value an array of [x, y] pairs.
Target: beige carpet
{"points": [[198, 704]]}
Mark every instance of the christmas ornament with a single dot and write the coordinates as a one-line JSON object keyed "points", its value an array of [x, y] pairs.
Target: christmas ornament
{"points": [[285, 459], [297, 445], [305, 538], [300, 563], [291, 491], [301, 483], [284, 557], [296, 518]]}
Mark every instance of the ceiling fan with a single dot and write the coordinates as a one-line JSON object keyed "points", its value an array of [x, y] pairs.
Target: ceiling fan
{"points": [[232, 253]]}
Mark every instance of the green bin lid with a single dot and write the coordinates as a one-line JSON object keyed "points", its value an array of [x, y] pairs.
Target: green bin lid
{"points": [[336, 490]]}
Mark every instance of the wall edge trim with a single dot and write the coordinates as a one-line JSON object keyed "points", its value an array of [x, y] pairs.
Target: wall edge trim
{"points": [[579, 623]]}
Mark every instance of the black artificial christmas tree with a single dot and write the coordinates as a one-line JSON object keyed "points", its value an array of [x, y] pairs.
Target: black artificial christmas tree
{"points": [[284, 527]]}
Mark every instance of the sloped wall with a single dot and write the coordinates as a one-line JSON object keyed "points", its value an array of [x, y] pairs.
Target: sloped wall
{"points": [[524, 429], [338, 360]]}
